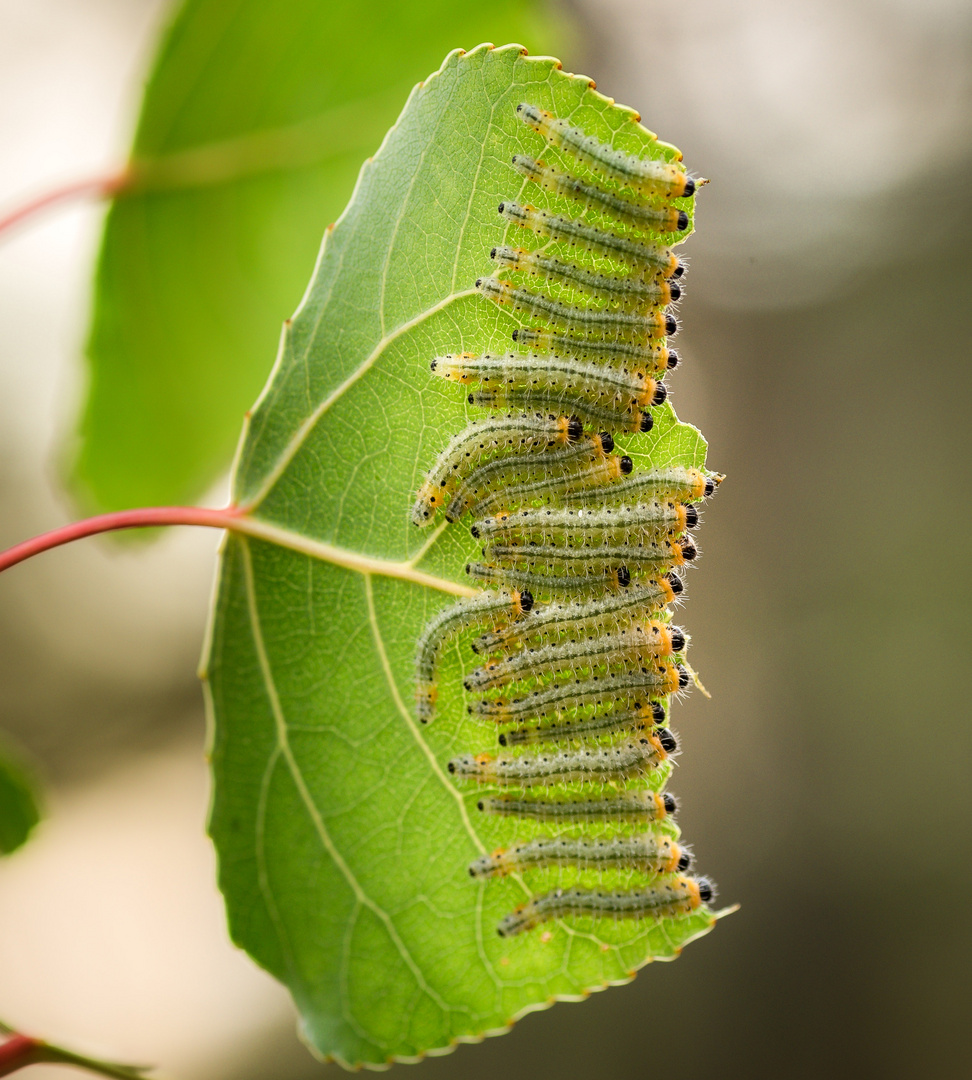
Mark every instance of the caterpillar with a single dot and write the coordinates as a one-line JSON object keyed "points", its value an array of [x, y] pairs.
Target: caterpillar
{"points": [[587, 463], [576, 378], [640, 256], [524, 433], [687, 485], [594, 322], [629, 418], [597, 579], [648, 853], [638, 806], [549, 622], [620, 689], [664, 900], [660, 219], [494, 609], [638, 641], [615, 763], [640, 293], [570, 656], [641, 718], [609, 524], [643, 175], [651, 357], [655, 556]]}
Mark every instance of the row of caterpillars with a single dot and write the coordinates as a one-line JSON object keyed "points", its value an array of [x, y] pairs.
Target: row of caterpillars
{"points": [[576, 656]]}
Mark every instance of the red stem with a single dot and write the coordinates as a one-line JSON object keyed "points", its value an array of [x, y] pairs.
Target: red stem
{"points": [[98, 186], [146, 517], [17, 1052]]}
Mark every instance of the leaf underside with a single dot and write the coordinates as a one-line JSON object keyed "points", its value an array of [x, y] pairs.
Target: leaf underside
{"points": [[343, 842], [253, 127]]}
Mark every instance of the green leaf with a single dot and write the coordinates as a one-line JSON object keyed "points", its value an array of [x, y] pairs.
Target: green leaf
{"points": [[255, 121], [343, 842], [19, 801]]}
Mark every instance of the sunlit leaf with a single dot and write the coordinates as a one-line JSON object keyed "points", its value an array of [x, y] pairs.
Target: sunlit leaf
{"points": [[343, 842]]}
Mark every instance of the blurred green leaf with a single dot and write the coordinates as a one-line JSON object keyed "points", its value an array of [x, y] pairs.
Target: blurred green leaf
{"points": [[253, 126], [343, 843], [19, 801]]}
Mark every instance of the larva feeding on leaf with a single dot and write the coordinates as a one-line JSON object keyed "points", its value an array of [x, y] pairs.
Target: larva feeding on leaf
{"points": [[659, 219], [648, 852], [637, 254], [643, 175], [578, 660], [664, 900]]}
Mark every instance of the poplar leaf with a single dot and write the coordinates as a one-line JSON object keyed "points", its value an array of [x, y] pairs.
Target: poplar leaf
{"points": [[343, 842]]}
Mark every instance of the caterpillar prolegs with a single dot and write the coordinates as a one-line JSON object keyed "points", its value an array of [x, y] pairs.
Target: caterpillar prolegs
{"points": [[569, 659]]}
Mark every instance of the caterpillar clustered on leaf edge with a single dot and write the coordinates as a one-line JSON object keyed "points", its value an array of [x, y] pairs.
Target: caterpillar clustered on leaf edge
{"points": [[575, 660]]}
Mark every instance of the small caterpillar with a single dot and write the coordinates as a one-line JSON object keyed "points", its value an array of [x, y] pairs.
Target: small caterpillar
{"points": [[638, 641], [582, 465], [561, 380], [595, 580], [641, 718], [624, 805], [619, 689], [550, 621], [617, 763], [645, 852], [686, 485], [524, 433], [594, 322], [653, 358], [655, 556], [643, 175], [664, 900], [661, 219], [630, 291], [630, 418], [634, 253], [606, 525], [497, 608]]}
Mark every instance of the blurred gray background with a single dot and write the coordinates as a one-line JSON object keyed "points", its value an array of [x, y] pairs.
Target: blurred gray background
{"points": [[825, 786]]}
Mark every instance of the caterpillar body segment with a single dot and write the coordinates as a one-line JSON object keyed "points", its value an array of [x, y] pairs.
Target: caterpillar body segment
{"points": [[573, 618], [521, 432], [653, 358], [654, 519], [646, 176], [639, 641], [594, 579], [639, 255], [632, 292], [495, 609], [630, 805], [639, 215], [603, 763], [649, 853], [642, 717], [667, 899], [585, 464], [620, 690]]}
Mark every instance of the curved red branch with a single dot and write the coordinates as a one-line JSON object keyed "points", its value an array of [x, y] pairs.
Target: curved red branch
{"points": [[146, 517]]}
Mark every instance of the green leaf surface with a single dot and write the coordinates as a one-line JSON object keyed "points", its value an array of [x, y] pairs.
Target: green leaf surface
{"points": [[253, 127], [343, 842], [19, 801]]}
